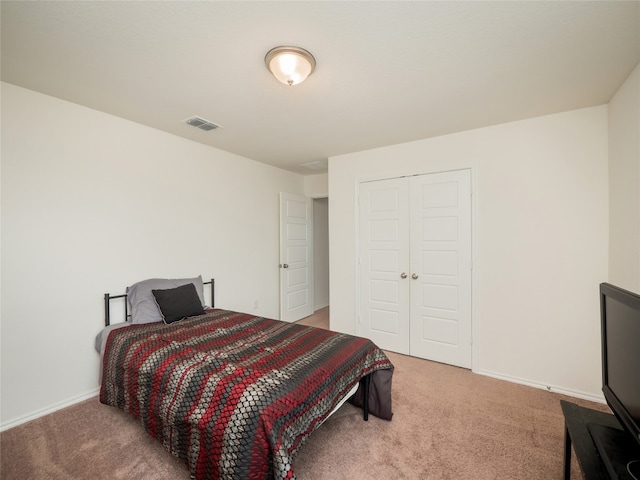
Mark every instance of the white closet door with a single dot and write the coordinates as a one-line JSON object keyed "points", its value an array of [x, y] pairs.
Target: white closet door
{"points": [[384, 257], [441, 267]]}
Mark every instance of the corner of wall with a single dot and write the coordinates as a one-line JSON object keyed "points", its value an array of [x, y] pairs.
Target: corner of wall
{"points": [[316, 186], [624, 184]]}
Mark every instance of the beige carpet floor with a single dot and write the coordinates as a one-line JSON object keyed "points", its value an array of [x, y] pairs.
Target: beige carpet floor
{"points": [[448, 424]]}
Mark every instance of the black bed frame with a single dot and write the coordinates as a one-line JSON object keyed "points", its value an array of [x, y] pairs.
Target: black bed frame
{"points": [[365, 381], [108, 298]]}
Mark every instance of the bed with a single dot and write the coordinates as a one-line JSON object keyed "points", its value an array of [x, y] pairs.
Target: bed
{"points": [[232, 394]]}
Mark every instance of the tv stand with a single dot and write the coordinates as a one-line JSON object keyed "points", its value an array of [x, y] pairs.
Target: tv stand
{"points": [[617, 450], [591, 432]]}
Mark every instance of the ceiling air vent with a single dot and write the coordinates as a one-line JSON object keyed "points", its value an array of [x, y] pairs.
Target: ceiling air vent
{"points": [[317, 165], [201, 123]]}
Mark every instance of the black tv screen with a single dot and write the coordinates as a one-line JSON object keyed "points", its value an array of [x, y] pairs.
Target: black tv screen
{"points": [[620, 313]]}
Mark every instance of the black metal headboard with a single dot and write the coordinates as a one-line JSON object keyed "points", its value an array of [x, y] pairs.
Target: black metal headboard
{"points": [[108, 298]]}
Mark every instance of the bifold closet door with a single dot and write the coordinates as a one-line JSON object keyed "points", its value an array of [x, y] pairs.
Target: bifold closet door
{"points": [[440, 246], [415, 265], [384, 263]]}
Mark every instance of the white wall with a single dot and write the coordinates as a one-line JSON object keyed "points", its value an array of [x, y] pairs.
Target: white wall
{"points": [[92, 203], [540, 241], [624, 182], [321, 252], [316, 186]]}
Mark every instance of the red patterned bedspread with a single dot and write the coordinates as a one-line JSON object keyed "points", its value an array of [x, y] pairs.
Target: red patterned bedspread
{"points": [[235, 395]]}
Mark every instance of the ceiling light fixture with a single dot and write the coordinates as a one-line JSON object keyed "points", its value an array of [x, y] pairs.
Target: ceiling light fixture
{"points": [[290, 65]]}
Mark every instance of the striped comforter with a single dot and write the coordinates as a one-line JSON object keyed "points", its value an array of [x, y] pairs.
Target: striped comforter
{"points": [[231, 394]]}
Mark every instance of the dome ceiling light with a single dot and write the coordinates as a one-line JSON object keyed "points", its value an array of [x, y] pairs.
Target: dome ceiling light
{"points": [[290, 65]]}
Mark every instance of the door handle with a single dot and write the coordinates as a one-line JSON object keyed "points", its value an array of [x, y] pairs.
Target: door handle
{"points": [[414, 276], [284, 265], [403, 275]]}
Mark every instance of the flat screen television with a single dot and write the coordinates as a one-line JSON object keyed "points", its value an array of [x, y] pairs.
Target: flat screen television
{"points": [[620, 317]]}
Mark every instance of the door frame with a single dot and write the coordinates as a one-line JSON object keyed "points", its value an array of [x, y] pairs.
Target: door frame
{"points": [[473, 168]]}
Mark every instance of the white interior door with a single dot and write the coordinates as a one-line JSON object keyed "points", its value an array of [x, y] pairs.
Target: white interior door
{"points": [[441, 267], [296, 257], [384, 263], [415, 265]]}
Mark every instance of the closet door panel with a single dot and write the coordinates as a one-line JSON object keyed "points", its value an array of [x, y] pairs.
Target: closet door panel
{"points": [[384, 256], [440, 245]]}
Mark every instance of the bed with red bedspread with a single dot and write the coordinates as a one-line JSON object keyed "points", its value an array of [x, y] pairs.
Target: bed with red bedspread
{"points": [[234, 395]]}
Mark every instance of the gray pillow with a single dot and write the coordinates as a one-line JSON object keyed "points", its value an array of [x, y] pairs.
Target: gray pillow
{"points": [[142, 304]]}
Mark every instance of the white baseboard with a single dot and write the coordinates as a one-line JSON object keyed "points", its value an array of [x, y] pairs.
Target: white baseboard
{"points": [[549, 388], [45, 411], [94, 392]]}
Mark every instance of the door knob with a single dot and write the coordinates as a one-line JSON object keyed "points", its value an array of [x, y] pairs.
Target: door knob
{"points": [[403, 275], [284, 265], [414, 276]]}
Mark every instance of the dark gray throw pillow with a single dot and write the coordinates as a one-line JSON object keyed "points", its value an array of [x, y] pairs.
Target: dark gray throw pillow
{"points": [[178, 303]]}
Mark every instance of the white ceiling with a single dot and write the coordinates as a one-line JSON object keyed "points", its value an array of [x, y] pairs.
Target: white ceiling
{"points": [[387, 71]]}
